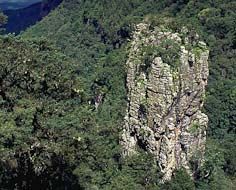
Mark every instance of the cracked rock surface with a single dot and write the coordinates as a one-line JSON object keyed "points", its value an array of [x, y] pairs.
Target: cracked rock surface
{"points": [[163, 113]]}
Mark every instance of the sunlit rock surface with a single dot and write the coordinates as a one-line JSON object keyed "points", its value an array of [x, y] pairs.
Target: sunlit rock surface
{"points": [[164, 114]]}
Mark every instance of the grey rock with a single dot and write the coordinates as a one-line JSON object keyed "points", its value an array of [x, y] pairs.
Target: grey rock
{"points": [[165, 101]]}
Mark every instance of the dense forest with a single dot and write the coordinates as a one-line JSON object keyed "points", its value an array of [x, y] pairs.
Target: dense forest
{"points": [[63, 97]]}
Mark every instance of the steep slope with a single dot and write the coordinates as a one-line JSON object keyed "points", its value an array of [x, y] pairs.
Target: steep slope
{"points": [[6, 5], [166, 80], [80, 22], [20, 19], [95, 35]]}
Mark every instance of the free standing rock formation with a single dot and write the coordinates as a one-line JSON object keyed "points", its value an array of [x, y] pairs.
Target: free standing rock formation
{"points": [[166, 78]]}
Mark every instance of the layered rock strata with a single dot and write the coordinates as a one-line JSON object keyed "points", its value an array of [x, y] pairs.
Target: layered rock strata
{"points": [[164, 114]]}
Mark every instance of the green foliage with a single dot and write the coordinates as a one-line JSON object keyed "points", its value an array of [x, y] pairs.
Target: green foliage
{"points": [[138, 171], [53, 135], [211, 174], [3, 19], [36, 86], [169, 51], [181, 181], [194, 128]]}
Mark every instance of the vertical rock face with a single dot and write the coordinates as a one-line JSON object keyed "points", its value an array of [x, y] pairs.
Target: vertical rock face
{"points": [[166, 78]]}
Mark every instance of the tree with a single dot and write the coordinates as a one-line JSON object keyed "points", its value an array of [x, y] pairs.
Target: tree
{"points": [[180, 181], [3, 19]]}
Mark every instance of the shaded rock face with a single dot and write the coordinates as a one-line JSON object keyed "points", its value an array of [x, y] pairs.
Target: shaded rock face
{"points": [[165, 99]]}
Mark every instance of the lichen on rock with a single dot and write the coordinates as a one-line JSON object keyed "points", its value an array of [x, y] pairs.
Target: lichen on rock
{"points": [[166, 78]]}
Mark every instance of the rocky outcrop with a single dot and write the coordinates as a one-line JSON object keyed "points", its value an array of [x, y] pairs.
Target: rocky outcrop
{"points": [[166, 78]]}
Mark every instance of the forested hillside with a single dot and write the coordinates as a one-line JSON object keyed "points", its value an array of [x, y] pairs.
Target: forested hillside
{"points": [[63, 97], [21, 18], [7, 5]]}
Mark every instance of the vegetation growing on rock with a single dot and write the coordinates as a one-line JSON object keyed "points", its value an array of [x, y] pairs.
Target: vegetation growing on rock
{"points": [[161, 126], [76, 144]]}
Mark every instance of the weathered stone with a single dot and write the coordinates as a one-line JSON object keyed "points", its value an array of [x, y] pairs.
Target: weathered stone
{"points": [[164, 109]]}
